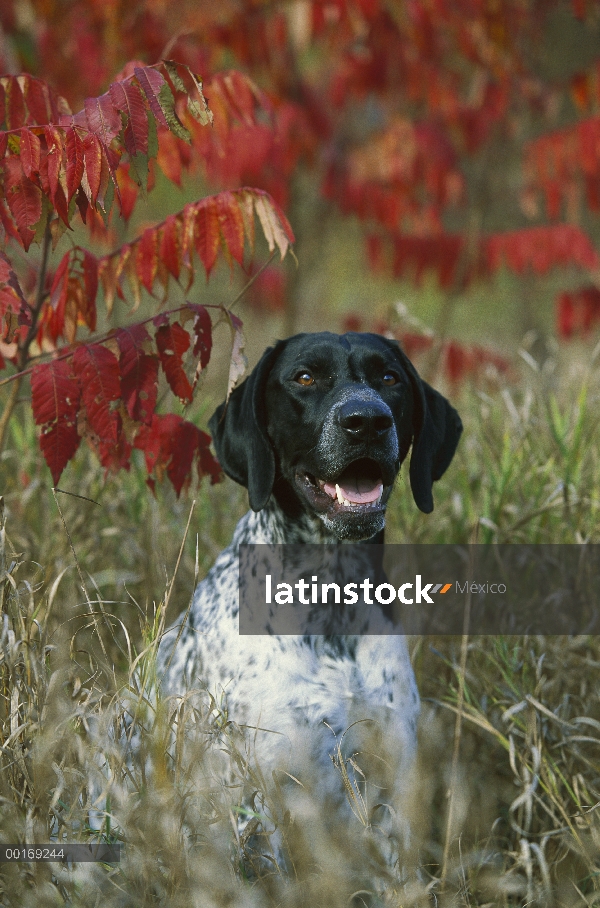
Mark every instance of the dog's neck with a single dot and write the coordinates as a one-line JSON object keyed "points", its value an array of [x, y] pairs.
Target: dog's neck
{"points": [[272, 526], [293, 552]]}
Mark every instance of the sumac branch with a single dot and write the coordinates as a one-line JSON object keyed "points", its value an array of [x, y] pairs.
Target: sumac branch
{"points": [[55, 165]]}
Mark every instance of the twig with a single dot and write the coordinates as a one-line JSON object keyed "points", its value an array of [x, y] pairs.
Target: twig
{"points": [[252, 279], [75, 495]]}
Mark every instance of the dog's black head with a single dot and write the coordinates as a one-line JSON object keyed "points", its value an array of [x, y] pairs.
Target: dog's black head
{"points": [[324, 422]]}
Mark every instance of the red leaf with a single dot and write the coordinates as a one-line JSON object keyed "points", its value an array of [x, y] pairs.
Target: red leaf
{"points": [[55, 399], [115, 457], [146, 258], [54, 321], [139, 373], [54, 157], [207, 463], [183, 442], [40, 102], [60, 277], [275, 225], [75, 161], [92, 155], [103, 119], [208, 232], [203, 333], [170, 156], [172, 342], [104, 179], [129, 191], [578, 311], [171, 443], [170, 245], [151, 82], [7, 221], [12, 301], [457, 362], [98, 372], [15, 104], [127, 97], [565, 315], [24, 199], [30, 153], [231, 223], [148, 440]]}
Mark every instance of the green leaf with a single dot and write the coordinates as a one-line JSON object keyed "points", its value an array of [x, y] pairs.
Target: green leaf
{"points": [[167, 103]]}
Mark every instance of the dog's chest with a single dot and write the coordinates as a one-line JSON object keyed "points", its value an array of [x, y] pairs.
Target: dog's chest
{"points": [[281, 682]]}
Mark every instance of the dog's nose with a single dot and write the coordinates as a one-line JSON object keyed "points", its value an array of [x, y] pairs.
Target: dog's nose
{"points": [[365, 420]]}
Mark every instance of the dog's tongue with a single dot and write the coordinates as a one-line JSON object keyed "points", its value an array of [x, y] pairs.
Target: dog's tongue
{"points": [[358, 491]]}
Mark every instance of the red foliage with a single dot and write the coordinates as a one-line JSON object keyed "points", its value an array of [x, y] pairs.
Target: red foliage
{"points": [[556, 161], [107, 391], [541, 248], [577, 312], [172, 444], [172, 341], [97, 370], [48, 152], [55, 395], [458, 361], [110, 398], [13, 306], [139, 372], [391, 111]]}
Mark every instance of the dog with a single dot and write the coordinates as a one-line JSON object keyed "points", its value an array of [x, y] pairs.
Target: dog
{"points": [[317, 434]]}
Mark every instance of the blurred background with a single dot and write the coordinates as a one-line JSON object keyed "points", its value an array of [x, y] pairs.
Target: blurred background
{"points": [[439, 163]]}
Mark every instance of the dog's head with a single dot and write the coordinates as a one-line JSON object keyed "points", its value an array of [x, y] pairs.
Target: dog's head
{"points": [[324, 422]]}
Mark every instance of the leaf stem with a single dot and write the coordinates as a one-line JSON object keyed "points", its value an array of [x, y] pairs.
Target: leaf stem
{"points": [[16, 376]]}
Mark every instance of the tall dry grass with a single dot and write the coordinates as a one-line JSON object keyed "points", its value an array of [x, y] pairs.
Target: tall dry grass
{"points": [[505, 801]]}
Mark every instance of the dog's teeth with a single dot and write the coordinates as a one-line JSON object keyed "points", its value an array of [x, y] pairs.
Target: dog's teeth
{"points": [[347, 503], [338, 492]]}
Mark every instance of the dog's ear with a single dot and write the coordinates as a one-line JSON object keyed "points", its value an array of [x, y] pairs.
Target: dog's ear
{"points": [[239, 431], [437, 429]]}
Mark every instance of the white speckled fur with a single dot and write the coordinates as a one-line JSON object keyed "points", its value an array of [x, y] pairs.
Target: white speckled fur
{"points": [[289, 686]]}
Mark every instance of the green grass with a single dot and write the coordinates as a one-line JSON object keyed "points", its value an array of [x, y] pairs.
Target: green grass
{"points": [[77, 679]]}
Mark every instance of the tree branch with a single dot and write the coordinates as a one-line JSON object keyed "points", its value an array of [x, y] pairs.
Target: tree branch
{"points": [[23, 354]]}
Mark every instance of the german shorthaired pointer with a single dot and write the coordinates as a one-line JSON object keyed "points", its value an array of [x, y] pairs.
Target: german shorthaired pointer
{"points": [[317, 434]]}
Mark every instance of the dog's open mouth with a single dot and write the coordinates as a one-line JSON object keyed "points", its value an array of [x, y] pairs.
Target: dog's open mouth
{"points": [[359, 487]]}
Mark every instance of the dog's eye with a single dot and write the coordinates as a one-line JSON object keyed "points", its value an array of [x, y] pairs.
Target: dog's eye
{"points": [[305, 378], [390, 379]]}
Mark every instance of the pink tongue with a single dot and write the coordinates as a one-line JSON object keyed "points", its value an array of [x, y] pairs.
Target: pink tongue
{"points": [[358, 491]]}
